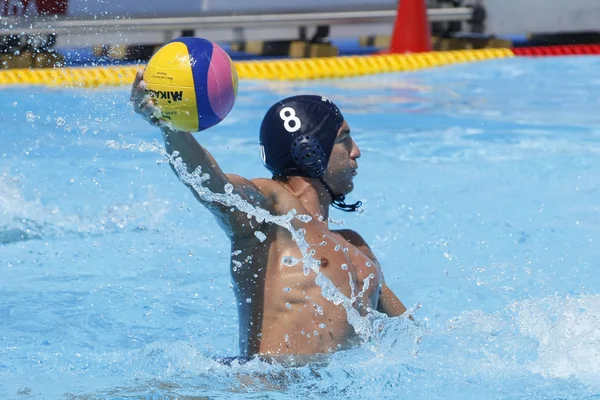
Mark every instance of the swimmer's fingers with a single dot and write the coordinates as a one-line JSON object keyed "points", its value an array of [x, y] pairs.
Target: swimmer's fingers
{"points": [[146, 108], [143, 103], [140, 97], [139, 76], [151, 113]]}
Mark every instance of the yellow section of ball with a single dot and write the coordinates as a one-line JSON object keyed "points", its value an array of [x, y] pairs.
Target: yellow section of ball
{"points": [[171, 85]]}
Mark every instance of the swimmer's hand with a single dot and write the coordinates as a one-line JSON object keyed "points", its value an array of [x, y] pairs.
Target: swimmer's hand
{"points": [[142, 103], [196, 158]]}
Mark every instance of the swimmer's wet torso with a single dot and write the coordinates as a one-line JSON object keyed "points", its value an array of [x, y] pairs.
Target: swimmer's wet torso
{"points": [[282, 310]]}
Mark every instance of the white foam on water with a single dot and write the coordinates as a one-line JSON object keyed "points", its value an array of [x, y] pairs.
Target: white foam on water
{"points": [[567, 331]]}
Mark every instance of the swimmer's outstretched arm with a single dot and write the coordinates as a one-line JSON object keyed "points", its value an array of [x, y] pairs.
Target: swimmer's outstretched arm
{"points": [[234, 223], [389, 303]]}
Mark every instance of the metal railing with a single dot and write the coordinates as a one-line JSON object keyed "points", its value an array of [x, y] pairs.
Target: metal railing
{"points": [[33, 26], [221, 27]]}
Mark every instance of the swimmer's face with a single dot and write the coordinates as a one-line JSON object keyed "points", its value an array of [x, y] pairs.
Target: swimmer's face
{"points": [[343, 164]]}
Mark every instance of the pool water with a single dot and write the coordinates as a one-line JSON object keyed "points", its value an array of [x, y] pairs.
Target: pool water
{"points": [[480, 191]]}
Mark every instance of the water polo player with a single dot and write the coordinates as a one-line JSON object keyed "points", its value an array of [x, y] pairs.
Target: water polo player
{"points": [[306, 144]]}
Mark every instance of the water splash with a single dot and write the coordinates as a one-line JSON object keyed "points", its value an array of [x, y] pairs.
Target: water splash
{"points": [[566, 329], [351, 281], [366, 285]]}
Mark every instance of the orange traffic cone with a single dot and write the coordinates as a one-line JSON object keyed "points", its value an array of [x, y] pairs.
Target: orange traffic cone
{"points": [[411, 30]]}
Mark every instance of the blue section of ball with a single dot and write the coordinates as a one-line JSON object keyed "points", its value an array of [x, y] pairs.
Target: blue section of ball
{"points": [[201, 51]]}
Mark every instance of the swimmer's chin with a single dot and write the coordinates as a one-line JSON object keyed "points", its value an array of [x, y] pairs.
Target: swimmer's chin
{"points": [[350, 187]]}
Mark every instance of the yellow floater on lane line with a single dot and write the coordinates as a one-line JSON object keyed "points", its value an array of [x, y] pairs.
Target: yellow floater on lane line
{"points": [[286, 70]]}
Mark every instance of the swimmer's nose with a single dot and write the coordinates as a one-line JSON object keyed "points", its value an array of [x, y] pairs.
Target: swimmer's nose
{"points": [[355, 152]]}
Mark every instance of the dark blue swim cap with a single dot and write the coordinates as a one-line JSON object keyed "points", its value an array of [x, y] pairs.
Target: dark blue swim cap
{"points": [[297, 135]]}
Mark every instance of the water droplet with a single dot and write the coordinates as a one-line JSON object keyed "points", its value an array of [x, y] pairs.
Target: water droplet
{"points": [[322, 326], [345, 267], [315, 333], [14, 103], [289, 261], [60, 121], [248, 300], [368, 264], [261, 236], [288, 305], [236, 253], [304, 218], [318, 308], [229, 188], [323, 243], [30, 116], [337, 247], [287, 289]]}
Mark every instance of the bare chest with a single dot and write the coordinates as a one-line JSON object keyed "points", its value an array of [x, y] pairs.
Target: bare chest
{"points": [[277, 270], [348, 268]]}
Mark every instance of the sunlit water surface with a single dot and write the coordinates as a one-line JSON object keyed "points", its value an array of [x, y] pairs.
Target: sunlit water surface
{"points": [[480, 189]]}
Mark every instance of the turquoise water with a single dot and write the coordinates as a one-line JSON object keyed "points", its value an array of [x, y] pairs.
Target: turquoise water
{"points": [[480, 191]]}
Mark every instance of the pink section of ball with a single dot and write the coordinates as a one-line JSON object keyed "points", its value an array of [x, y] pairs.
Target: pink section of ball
{"points": [[221, 93]]}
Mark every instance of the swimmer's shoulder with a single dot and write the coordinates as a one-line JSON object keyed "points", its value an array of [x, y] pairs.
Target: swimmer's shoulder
{"points": [[266, 187], [280, 197], [356, 240], [267, 193], [353, 237], [266, 184], [271, 188]]}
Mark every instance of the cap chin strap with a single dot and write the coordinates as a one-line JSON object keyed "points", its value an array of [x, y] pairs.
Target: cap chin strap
{"points": [[338, 201]]}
